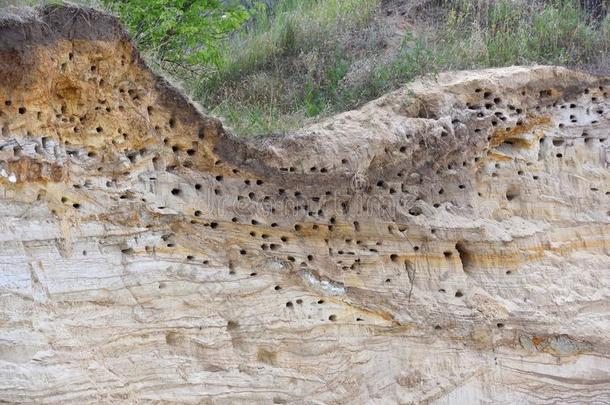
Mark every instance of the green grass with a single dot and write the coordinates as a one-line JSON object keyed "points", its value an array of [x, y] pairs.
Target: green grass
{"points": [[503, 34], [287, 66], [294, 26]]}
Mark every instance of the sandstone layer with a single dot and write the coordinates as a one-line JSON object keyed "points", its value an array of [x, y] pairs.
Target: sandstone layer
{"points": [[447, 243]]}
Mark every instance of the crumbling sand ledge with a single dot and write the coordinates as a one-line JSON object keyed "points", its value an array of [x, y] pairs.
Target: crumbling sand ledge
{"points": [[447, 243]]}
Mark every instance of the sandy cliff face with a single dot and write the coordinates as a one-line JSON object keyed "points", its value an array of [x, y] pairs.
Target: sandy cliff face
{"points": [[448, 243]]}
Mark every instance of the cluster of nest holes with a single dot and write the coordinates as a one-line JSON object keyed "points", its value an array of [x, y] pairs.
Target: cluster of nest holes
{"points": [[313, 205], [557, 146], [21, 109], [589, 113], [458, 293], [310, 205], [92, 123], [321, 301], [67, 201], [491, 113], [491, 108]]}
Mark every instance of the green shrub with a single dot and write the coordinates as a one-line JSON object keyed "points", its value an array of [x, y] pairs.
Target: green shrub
{"points": [[183, 36]]}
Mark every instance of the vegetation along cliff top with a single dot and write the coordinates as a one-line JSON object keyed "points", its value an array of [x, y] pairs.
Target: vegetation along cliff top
{"points": [[268, 66]]}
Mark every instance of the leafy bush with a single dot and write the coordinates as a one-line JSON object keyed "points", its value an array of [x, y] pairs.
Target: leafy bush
{"points": [[183, 36]]}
